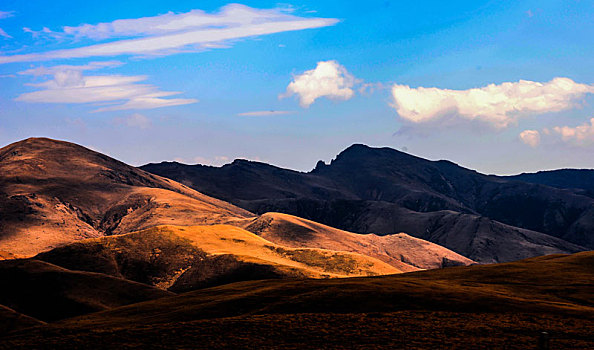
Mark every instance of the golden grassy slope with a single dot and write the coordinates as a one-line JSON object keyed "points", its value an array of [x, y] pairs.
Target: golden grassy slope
{"points": [[399, 250], [313, 262], [182, 258]]}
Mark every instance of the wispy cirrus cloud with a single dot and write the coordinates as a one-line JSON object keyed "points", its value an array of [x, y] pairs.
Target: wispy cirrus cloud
{"points": [[41, 71], [171, 33], [113, 92], [4, 34], [264, 113], [5, 14], [498, 105], [329, 79]]}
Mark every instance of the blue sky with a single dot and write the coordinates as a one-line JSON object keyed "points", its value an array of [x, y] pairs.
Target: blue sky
{"points": [[498, 86]]}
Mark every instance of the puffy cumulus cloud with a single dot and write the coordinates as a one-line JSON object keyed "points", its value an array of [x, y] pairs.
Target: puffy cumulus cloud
{"points": [[581, 135], [264, 113], [499, 105], [329, 79], [114, 92], [171, 33], [530, 137]]}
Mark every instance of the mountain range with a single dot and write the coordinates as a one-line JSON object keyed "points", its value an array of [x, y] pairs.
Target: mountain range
{"points": [[66, 204], [384, 191]]}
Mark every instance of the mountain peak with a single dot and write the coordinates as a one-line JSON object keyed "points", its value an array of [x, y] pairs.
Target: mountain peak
{"points": [[361, 153]]}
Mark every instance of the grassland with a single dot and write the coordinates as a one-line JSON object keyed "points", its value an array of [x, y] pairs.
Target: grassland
{"points": [[500, 306]]}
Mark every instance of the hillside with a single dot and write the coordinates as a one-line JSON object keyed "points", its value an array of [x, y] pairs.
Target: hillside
{"points": [[385, 191], [482, 306], [191, 257], [400, 250], [54, 192]]}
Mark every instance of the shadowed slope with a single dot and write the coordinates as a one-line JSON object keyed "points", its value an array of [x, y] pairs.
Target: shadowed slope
{"points": [[580, 181], [11, 320], [400, 250], [48, 292], [54, 192], [555, 283]]}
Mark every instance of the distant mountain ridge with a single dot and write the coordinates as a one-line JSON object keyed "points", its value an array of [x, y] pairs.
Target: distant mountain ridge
{"points": [[382, 190], [579, 180]]}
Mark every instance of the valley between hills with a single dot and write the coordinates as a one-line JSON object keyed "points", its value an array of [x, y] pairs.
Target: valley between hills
{"points": [[378, 249]]}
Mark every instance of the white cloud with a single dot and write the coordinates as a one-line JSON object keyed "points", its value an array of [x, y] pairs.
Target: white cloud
{"points": [[329, 79], [172, 33], [135, 120], [117, 92], [581, 135], [216, 161], [498, 105], [530, 137], [264, 113]]}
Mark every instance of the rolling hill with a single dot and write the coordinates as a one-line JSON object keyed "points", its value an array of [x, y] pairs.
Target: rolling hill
{"points": [[54, 192]]}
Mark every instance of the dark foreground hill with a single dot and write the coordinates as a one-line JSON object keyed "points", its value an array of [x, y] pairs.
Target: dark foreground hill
{"points": [[502, 306], [47, 292], [382, 191]]}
